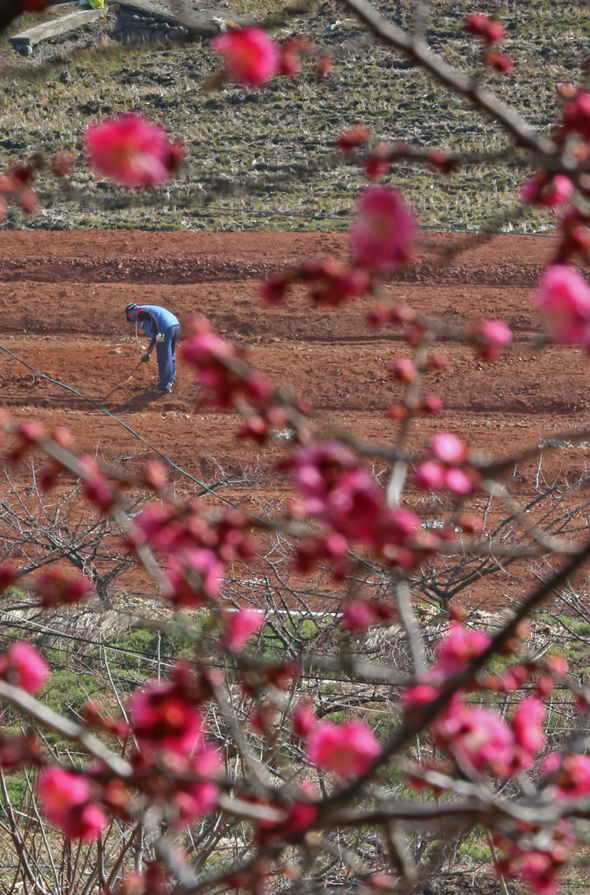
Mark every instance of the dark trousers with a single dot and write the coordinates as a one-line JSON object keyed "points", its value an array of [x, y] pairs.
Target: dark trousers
{"points": [[166, 354]]}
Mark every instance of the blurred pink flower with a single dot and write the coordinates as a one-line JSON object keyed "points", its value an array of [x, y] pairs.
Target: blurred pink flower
{"points": [[195, 800], [161, 717], [480, 736], [540, 872], [418, 694], [564, 295], [447, 448], [458, 481], [403, 370], [489, 29], [459, 647], [22, 666], [383, 233], [65, 799], [131, 150], [240, 626], [194, 576], [572, 777], [348, 749], [527, 724], [358, 615], [547, 191], [251, 58], [576, 115], [430, 476], [59, 587], [493, 336], [96, 487], [304, 719]]}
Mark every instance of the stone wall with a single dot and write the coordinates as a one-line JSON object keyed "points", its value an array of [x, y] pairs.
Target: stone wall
{"points": [[136, 25]]}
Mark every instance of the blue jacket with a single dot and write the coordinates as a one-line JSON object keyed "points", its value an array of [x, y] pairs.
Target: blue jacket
{"points": [[154, 319]]}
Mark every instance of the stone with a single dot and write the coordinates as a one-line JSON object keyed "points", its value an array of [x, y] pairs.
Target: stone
{"points": [[54, 28]]}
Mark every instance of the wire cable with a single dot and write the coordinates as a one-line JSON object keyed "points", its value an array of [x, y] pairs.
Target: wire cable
{"points": [[156, 450]]}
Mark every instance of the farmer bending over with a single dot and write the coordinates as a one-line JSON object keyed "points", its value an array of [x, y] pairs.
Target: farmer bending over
{"points": [[163, 328]]}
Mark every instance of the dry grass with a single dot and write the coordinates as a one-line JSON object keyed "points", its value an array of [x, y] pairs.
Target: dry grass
{"points": [[240, 135]]}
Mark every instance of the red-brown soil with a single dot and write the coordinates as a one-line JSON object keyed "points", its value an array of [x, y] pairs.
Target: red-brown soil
{"points": [[62, 296]]}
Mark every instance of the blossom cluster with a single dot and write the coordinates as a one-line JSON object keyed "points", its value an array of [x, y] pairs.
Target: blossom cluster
{"points": [[132, 151], [564, 296], [166, 721], [197, 548], [448, 468], [339, 491], [252, 58], [482, 741], [222, 371], [491, 33], [382, 238]]}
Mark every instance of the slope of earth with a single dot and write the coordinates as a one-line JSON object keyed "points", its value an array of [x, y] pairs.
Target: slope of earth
{"points": [[264, 158]]}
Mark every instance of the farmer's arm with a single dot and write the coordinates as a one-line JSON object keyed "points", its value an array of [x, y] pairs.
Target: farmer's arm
{"points": [[147, 317]]}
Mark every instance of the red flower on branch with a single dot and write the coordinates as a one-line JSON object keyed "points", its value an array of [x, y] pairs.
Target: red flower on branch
{"points": [[251, 57], [347, 749], [384, 230], [22, 666], [131, 150], [66, 801]]}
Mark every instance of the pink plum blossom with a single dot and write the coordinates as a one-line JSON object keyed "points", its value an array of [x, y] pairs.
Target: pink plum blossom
{"points": [[57, 587], [459, 647], [348, 749], [161, 717], [479, 736], [8, 575], [493, 336], [240, 626], [65, 799], [538, 870], [130, 150], [358, 615], [547, 191], [96, 487], [298, 817], [572, 777], [23, 667], [196, 799], [458, 481], [344, 494], [527, 724], [564, 295], [575, 117], [384, 230], [251, 58], [304, 719], [430, 476], [489, 29], [417, 695], [404, 370], [447, 448], [194, 576]]}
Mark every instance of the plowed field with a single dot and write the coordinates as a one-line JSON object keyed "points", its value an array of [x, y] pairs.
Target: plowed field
{"points": [[62, 299]]}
